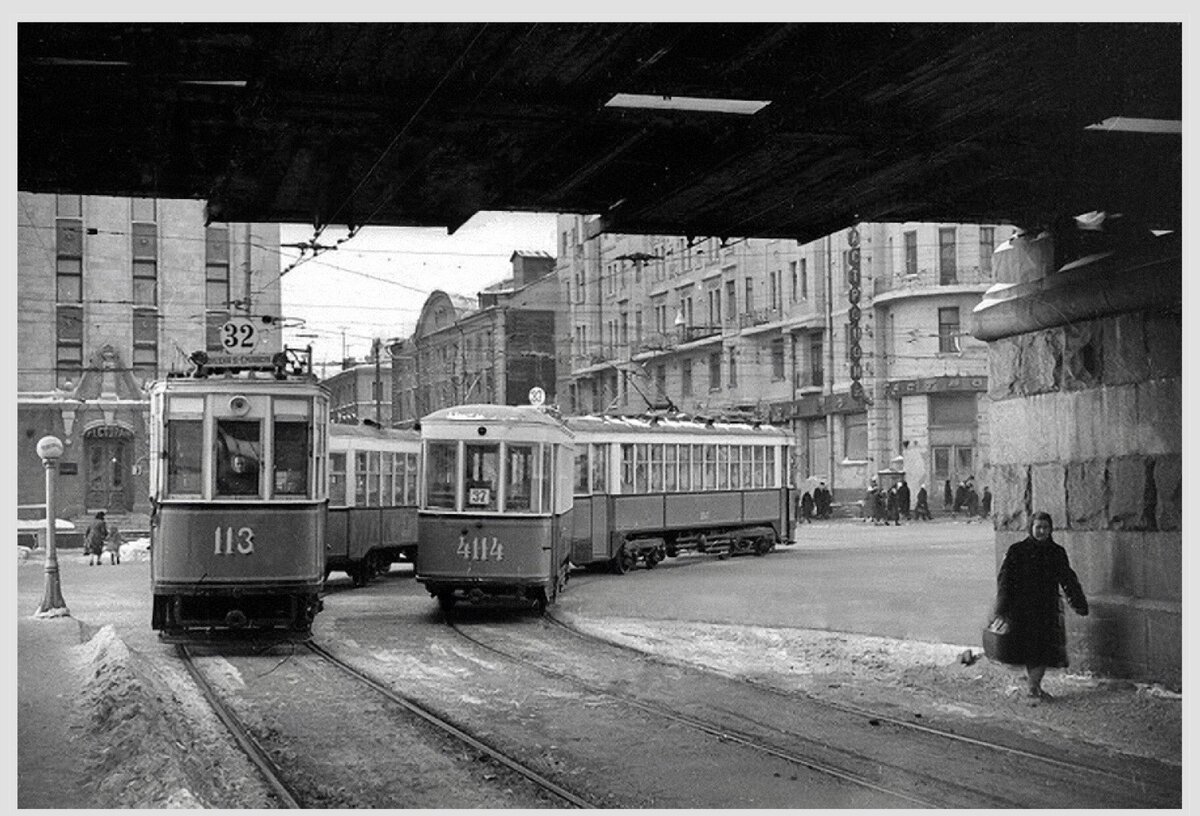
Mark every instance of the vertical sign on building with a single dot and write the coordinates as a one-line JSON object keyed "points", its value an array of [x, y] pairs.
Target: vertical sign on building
{"points": [[854, 332]]}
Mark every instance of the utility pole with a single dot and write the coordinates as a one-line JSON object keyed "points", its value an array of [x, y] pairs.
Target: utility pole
{"points": [[378, 389]]}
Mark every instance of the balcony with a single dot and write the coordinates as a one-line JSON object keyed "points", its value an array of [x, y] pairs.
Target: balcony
{"points": [[930, 280], [759, 317]]}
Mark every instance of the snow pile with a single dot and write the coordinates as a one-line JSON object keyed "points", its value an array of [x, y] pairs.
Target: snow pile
{"points": [[137, 549], [149, 740]]}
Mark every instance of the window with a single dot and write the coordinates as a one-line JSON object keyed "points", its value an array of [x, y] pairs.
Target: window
{"points": [[216, 288], [714, 371], [910, 252], [795, 275], [948, 330], [145, 344], [599, 468], [987, 246], [656, 468], [337, 479], [518, 490], [410, 479], [671, 468], [749, 307], [69, 340], [733, 368], [773, 291], [185, 446], [659, 304], [777, 359], [641, 468], [817, 446], [69, 240], [581, 473], [685, 377], [947, 269], [441, 474], [954, 410], [855, 436], [291, 458], [804, 279], [816, 361], [239, 452], [731, 309]]}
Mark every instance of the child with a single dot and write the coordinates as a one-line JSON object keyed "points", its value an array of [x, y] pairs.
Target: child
{"points": [[112, 545]]}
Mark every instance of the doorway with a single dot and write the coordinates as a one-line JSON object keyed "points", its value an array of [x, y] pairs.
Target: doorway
{"points": [[107, 456]]}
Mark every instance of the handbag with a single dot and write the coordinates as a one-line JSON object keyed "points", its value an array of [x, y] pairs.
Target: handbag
{"points": [[998, 642]]}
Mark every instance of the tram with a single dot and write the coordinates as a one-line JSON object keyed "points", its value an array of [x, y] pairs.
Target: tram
{"points": [[494, 521], [649, 487], [238, 458], [372, 520]]}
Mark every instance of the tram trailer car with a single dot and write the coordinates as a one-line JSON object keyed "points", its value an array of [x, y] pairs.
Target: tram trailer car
{"points": [[373, 477], [237, 475], [649, 487], [494, 521]]}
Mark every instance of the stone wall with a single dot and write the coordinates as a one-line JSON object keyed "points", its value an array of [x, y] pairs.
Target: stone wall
{"points": [[1086, 424]]}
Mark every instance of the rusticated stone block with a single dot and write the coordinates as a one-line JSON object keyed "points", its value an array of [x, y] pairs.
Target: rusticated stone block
{"points": [[1126, 359], [1168, 490], [1004, 360], [1087, 495], [1041, 361], [1164, 646], [1161, 560], [1159, 416], [1127, 570], [1127, 497], [1090, 554], [1164, 344], [1010, 497], [1082, 354], [1111, 640], [1049, 491]]}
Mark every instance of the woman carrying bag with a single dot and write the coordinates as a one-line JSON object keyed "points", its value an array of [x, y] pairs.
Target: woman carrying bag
{"points": [[1028, 627]]}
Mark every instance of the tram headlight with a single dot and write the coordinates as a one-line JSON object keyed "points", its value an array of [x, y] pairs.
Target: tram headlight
{"points": [[239, 405]]}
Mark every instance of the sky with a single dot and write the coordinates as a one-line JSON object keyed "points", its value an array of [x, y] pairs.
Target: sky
{"points": [[374, 284]]}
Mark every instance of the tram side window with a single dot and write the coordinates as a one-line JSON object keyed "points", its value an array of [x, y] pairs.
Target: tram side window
{"points": [[410, 479], [373, 478], [685, 467], [697, 467], [748, 465], [185, 445], [710, 467], [360, 479], [722, 467], [600, 468], [735, 466], [581, 472], [440, 474], [483, 467], [547, 478], [398, 477], [518, 489], [239, 452], [672, 467], [291, 458], [656, 468], [626, 468], [337, 479], [769, 467], [641, 468]]}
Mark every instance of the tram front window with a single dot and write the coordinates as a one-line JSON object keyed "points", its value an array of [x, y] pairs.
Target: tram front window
{"points": [[291, 458], [483, 466], [441, 474], [239, 451], [185, 444], [518, 491]]}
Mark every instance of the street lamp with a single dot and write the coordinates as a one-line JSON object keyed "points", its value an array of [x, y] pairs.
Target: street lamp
{"points": [[50, 449]]}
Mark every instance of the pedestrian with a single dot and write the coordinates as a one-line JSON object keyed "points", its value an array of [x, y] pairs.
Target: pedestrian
{"points": [[880, 505], [1027, 597], [821, 500], [93, 539], [806, 507], [960, 498], [904, 497], [112, 545], [893, 505], [923, 505], [947, 497], [985, 504], [972, 502]]}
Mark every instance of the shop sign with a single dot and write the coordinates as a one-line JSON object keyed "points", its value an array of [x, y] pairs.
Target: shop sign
{"points": [[933, 385]]}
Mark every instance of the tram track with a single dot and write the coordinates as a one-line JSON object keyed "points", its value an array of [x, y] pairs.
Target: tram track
{"points": [[276, 777], [1161, 794], [994, 764]]}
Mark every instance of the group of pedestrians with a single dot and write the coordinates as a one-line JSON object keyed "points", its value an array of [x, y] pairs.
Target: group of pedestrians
{"points": [[965, 499], [100, 539], [815, 504]]}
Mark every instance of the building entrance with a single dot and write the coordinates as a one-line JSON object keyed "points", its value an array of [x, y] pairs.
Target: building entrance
{"points": [[107, 455]]}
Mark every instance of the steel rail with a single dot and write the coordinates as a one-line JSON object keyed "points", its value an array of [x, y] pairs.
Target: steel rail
{"points": [[1164, 792], [449, 728], [720, 733], [250, 746]]}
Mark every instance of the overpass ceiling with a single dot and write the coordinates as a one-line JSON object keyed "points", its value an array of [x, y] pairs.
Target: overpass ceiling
{"points": [[426, 124]]}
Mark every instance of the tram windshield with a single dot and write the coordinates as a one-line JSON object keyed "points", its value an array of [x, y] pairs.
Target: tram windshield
{"points": [[511, 477], [291, 458], [239, 452], [185, 448]]}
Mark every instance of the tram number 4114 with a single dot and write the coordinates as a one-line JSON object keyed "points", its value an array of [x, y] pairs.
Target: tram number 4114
{"points": [[227, 540], [480, 549]]}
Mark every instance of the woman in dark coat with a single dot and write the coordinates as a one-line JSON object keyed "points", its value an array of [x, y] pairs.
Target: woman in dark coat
{"points": [[93, 539], [1027, 596], [806, 508]]}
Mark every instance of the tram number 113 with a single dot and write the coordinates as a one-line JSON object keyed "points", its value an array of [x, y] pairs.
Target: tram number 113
{"points": [[226, 540], [480, 549]]}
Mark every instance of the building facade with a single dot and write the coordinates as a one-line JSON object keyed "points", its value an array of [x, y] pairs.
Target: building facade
{"points": [[855, 341], [361, 390], [494, 349], [112, 294]]}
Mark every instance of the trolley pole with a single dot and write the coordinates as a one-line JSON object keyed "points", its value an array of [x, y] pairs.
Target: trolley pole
{"points": [[50, 449]]}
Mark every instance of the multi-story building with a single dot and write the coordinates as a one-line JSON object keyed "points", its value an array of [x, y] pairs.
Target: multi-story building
{"points": [[113, 293], [361, 390], [493, 349], [868, 377]]}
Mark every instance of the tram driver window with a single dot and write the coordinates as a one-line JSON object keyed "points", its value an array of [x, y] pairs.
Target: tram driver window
{"points": [[185, 444], [239, 451], [441, 468], [291, 458], [518, 491], [483, 466]]}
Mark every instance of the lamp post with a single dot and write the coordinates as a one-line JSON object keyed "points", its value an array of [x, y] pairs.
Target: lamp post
{"points": [[50, 449]]}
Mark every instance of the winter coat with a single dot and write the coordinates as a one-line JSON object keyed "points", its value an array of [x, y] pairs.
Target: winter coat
{"points": [[1027, 595], [904, 498], [806, 506], [93, 539]]}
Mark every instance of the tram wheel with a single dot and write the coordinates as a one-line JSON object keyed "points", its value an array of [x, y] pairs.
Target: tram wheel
{"points": [[624, 561], [360, 573], [761, 545]]}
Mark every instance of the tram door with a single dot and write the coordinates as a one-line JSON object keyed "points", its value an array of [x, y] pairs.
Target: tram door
{"points": [[108, 458]]}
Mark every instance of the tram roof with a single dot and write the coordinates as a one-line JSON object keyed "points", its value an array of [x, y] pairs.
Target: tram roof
{"points": [[660, 426], [497, 414], [371, 432]]}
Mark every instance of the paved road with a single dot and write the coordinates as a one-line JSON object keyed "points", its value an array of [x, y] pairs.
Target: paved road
{"points": [[929, 581]]}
